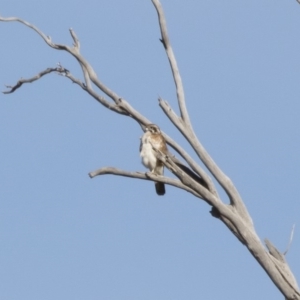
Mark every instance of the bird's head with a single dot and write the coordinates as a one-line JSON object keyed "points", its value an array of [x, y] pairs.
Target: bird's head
{"points": [[152, 128]]}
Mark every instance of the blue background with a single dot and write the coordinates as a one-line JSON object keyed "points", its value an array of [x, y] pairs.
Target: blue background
{"points": [[66, 236]]}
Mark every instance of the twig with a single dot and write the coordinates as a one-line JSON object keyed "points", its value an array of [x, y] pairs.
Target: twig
{"points": [[46, 38], [290, 241], [34, 78], [75, 39]]}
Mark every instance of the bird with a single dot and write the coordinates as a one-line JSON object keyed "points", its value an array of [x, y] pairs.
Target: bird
{"points": [[153, 138]]}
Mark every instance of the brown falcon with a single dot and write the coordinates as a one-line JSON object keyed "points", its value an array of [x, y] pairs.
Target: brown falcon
{"points": [[153, 138]]}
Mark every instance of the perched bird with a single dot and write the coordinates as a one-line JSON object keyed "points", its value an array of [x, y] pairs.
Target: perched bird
{"points": [[153, 138]]}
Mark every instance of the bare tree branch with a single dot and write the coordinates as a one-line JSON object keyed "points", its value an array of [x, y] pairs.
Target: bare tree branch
{"points": [[195, 180], [282, 266], [77, 49], [34, 78], [184, 125], [47, 39], [173, 63], [145, 176], [224, 181]]}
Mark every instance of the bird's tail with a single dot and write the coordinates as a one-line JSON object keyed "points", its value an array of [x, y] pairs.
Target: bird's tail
{"points": [[160, 188]]}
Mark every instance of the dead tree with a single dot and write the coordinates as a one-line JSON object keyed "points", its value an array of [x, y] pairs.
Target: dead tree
{"points": [[191, 177]]}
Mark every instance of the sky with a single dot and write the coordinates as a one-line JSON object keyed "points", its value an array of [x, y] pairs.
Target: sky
{"points": [[66, 236]]}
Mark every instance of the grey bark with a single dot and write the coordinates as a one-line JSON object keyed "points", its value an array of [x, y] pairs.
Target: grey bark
{"points": [[191, 176]]}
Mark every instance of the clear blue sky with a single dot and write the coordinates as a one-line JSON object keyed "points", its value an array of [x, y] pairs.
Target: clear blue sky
{"points": [[66, 236]]}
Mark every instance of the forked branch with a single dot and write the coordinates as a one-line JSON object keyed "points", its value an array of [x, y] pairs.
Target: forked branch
{"points": [[192, 177], [58, 69]]}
